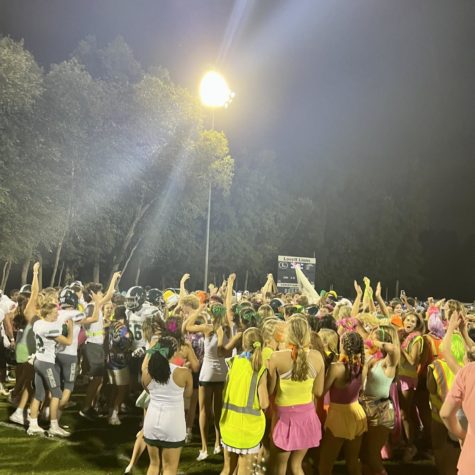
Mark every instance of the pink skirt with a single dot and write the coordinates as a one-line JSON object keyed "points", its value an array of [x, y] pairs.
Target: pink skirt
{"points": [[297, 427]]}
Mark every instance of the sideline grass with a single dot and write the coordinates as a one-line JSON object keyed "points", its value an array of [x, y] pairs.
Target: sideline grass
{"points": [[97, 448]]}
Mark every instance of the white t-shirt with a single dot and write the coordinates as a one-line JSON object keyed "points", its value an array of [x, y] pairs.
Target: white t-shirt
{"points": [[95, 331], [76, 316], [45, 334]]}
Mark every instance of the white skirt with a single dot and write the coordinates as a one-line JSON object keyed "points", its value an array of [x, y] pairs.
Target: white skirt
{"points": [[165, 423]]}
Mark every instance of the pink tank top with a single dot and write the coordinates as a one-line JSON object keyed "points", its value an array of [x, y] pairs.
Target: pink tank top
{"points": [[348, 394]]}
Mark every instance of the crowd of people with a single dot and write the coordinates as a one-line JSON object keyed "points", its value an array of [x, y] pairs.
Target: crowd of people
{"points": [[287, 382]]}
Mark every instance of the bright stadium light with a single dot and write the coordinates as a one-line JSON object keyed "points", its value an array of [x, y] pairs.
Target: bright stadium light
{"points": [[214, 93], [214, 90]]}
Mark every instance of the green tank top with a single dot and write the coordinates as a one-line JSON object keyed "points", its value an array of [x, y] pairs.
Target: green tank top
{"points": [[377, 383]]}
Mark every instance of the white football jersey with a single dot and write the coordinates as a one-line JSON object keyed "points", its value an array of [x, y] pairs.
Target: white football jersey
{"points": [[45, 334]]}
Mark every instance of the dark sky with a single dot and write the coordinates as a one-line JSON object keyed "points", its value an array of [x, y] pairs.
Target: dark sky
{"points": [[403, 69], [314, 79]]}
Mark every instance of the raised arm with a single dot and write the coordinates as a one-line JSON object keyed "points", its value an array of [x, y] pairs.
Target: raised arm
{"points": [[30, 308], [97, 308], [469, 343], [111, 289], [355, 309], [183, 291], [393, 351], [229, 300], [405, 301], [190, 322], [368, 303], [380, 301]]}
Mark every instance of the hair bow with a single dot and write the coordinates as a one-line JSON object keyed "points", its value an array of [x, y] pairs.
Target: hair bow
{"points": [[160, 349]]}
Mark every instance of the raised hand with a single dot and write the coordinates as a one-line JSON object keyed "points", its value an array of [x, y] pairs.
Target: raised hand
{"points": [[96, 298], [378, 290], [358, 289], [454, 321]]}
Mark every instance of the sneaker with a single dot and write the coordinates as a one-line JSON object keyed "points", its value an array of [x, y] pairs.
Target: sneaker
{"points": [[3, 391], [203, 455], [58, 432], [89, 414], [217, 450], [37, 430], [114, 420], [17, 418]]}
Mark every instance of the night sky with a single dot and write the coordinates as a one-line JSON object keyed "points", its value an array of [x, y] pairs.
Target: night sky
{"points": [[314, 80]]}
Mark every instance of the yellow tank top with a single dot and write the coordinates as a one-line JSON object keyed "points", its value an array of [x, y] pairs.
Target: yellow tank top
{"points": [[294, 393]]}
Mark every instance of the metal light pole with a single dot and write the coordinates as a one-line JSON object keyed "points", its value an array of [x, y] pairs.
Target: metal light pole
{"points": [[207, 238], [214, 93]]}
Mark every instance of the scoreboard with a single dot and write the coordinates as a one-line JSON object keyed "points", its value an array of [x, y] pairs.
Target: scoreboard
{"points": [[286, 277]]}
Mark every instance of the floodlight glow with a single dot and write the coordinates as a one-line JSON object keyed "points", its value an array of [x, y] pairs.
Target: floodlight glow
{"points": [[214, 90]]}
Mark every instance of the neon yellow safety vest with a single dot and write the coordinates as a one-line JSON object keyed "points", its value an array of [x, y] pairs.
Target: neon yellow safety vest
{"points": [[444, 379], [242, 422]]}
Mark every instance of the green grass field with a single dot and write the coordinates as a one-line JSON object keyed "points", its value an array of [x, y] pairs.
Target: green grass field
{"points": [[97, 448]]}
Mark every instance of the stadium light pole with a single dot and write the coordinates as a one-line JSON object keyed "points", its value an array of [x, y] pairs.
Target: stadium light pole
{"points": [[214, 93]]}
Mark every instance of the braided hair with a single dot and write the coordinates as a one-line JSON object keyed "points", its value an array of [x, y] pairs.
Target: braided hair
{"points": [[353, 345]]}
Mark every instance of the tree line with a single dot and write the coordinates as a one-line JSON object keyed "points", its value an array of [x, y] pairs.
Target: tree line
{"points": [[106, 165]]}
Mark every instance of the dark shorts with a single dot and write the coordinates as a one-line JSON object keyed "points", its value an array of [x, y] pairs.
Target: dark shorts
{"points": [[94, 353], [164, 444], [135, 368], [196, 380], [46, 379], [67, 367]]}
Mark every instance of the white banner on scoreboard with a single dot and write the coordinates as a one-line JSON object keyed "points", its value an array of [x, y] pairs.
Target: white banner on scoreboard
{"points": [[286, 277]]}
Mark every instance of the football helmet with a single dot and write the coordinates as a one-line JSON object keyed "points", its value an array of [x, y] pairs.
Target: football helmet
{"points": [[68, 298], [154, 297], [135, 298]]}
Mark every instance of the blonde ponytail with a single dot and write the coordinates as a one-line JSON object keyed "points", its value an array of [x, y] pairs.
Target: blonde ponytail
{"points": [[252, 342], [298, 338]]}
